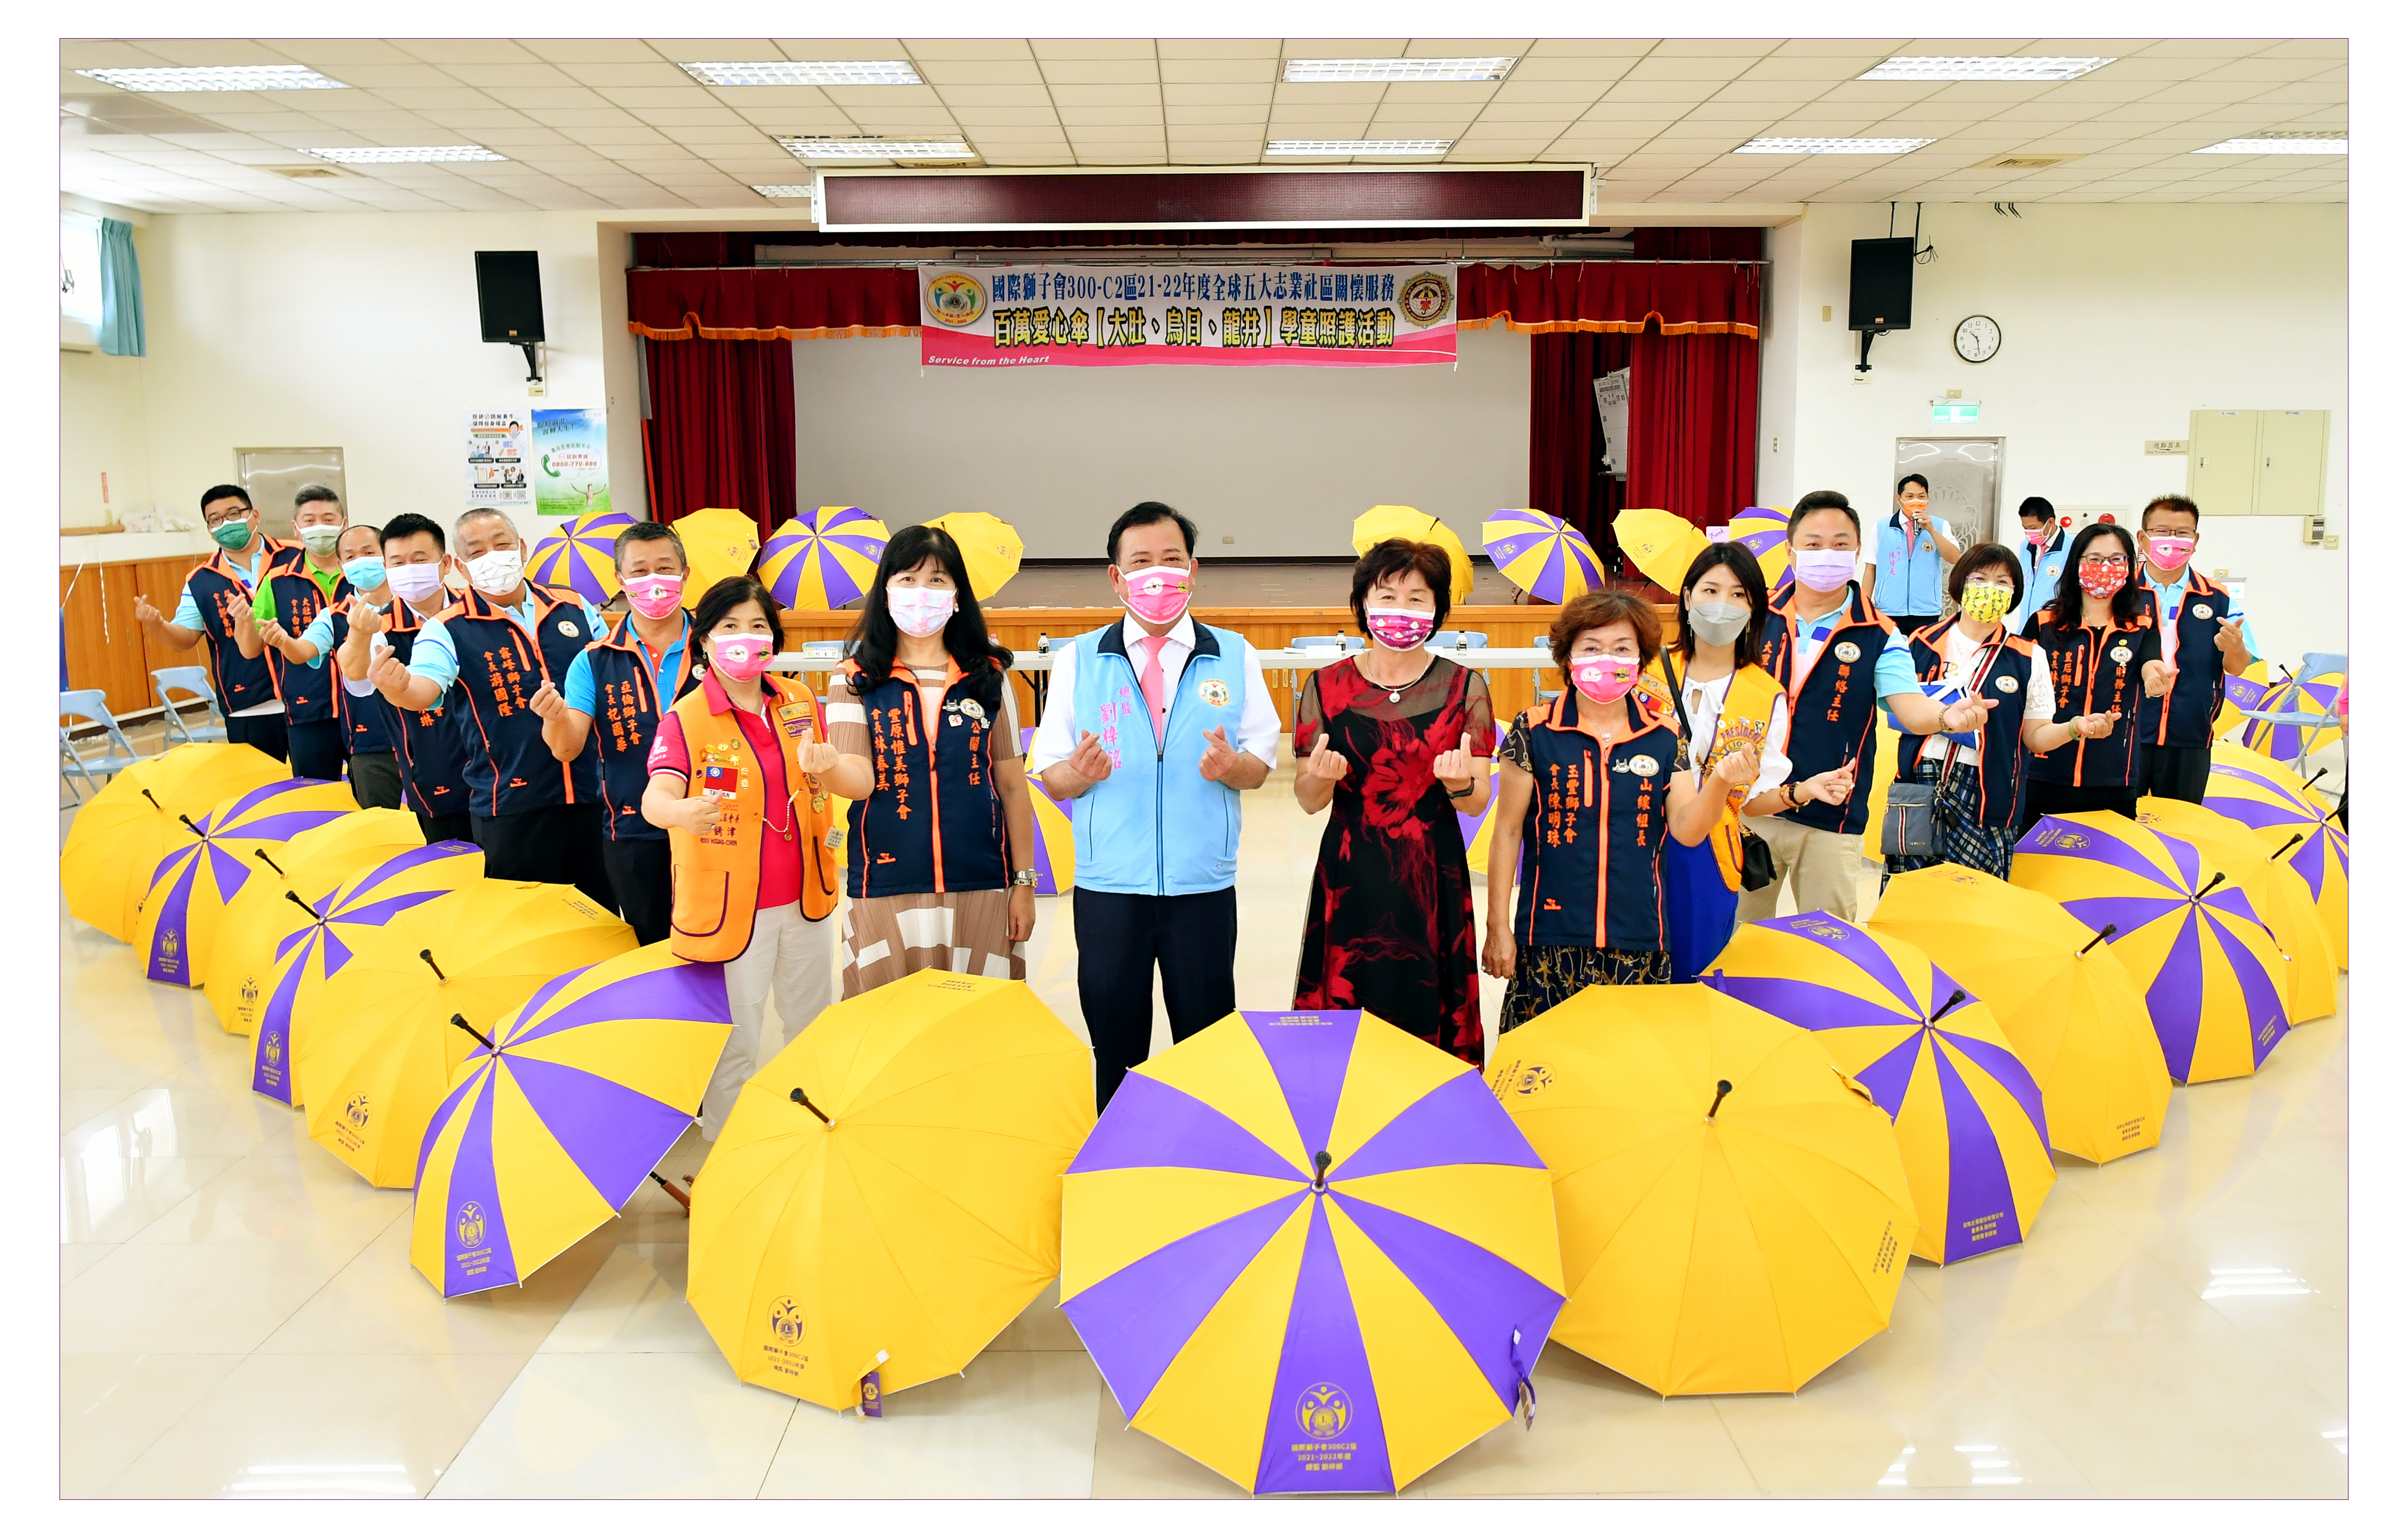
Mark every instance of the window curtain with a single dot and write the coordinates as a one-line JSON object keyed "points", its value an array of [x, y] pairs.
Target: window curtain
{"points": [[121, 291], [721, 431]]}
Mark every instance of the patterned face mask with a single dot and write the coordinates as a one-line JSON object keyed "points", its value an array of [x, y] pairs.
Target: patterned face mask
{"points": [[2103, 576], [1986, 603], [1399, 629]]}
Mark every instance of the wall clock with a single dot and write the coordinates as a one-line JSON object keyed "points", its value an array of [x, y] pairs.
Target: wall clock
{"points": [[1977, 339]]}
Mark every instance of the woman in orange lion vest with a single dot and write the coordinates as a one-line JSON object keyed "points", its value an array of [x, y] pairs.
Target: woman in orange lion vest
{"points": [[734, 780]]}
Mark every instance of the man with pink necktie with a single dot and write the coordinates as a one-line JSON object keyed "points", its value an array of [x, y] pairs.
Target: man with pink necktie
{"points": [[1152, 728]]}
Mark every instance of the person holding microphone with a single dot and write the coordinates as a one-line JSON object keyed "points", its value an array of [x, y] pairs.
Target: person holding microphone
{"points": [[1911, 557]]}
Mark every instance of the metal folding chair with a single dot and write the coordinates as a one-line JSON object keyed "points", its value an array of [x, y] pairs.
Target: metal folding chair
{"points": [[167, 682], [2309, 722], [90, 704]]}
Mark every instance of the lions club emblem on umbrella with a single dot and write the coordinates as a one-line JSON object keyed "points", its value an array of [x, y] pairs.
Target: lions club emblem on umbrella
{"points": [[356, 1111], [1531, 1080], [1322, 1411], [786, 1321], [471, 1225], [955, 298]]}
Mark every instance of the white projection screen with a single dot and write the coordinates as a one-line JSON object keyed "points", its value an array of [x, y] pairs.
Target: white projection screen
{"points": [[1279, 460]]}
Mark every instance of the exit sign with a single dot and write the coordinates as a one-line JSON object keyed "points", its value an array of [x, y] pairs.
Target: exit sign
{"points": [[1954, 411]]}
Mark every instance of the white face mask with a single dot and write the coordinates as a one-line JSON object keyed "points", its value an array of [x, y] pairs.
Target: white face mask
{"points": [[415, 583], [920, 611], [496, 571]]}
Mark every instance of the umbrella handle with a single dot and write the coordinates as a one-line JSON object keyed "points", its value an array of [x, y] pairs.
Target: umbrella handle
{"points": [[2286, 848], [683, 1199], [154, 801], [1722, 1087], [2216, 881], [1320, 1171], [803, 1100], [1525, 1393], [2094, 943], [272, 865], [462, 1021], [305, 907], [428, 956], [1954, 999]]}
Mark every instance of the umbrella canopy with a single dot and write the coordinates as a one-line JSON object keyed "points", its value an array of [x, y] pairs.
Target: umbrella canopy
{"points": [[1971, 1121], [1391, 521], [1737, 1247], [1475, 829], [2314, 695], [480, 951], [582, 556], [332, 928], [2276, 891], [1660, 544], [1764, 531], [2069, 1007], [720, 543], [1058, 845], [2184, 929], [551, 1124], [211, 861], [822, 559], [119, 837], [990, 549], [2288, 814], [886, 1195], [260, 915], [1310, 1252], [2242, 691], [1541, 554]]}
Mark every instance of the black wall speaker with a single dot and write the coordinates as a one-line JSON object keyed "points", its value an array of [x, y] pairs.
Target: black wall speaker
{"points": [[1881, 284], [509, 296]]}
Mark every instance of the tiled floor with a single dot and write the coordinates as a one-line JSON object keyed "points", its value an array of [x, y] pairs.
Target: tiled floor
{"points": [[240, 1318]]}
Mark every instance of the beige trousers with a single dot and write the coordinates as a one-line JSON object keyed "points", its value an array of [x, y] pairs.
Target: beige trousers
{"points": [[1820, 867], [791, 955]]}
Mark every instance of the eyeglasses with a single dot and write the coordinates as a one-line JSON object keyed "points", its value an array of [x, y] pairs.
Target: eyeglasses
{"points": [[2106, 563], [221, 520]]}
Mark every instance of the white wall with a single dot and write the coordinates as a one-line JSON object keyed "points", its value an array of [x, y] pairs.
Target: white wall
{"points": [[1279, 460], [2119, 318]]}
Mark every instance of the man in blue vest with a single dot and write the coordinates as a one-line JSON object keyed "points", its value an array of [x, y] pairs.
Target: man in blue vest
{"points": [[2203, 637], [1911, 559], [1157, 838], [283, 606], [506, 638], [218, 590], [434, 764], [367, 746], [2042, 558]]}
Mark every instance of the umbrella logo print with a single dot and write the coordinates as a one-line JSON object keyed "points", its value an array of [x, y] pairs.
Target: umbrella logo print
{"points": [[249, 999], [786, 1321], [273, 1048], [357, 1111], [1536, 1077], [471, 1225], [1322, 1411]]}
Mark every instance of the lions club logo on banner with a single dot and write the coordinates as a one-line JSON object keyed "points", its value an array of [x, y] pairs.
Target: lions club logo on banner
{"points": [[786, 1321], [1426, 298], [955, 299], [1322, 1411], [471, 1225]]}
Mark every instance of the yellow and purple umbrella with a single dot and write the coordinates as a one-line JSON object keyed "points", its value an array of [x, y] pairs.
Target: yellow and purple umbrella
{"points": [[554, 1121], [2242, 691], [119, 835], [2285, 740], [1764, 531], [582, 556], [1475, 830], [1971, 1121], [1392, 521], [2278, 893], [2182, 928], [991, 549], [260, 915], [2291, 818], [822, 559], [191, 886], [1541, 554], [1660, 544], [1310, 1252], [1057, 843]]}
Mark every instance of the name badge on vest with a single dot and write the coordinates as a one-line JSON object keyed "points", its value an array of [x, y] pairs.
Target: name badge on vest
{"points": [[795, 721]]}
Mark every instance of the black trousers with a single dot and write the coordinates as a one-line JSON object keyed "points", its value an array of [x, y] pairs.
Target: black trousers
{"points": [[2047, 800], [2178, 774], [548, 843], [1909, 624], [640, 879], [1120, 939], [263, 732], [316, 748], [457, 825], [375, 780]]}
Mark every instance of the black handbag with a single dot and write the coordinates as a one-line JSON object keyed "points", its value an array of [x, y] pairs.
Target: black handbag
{"points": [[1755, 872]]}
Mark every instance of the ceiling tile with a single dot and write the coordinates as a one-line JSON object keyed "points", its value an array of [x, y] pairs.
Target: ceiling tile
{"points": [[1684, 92], [1218, 47], [1076, 118], [959, 98], [885, 98], [1603, 71], [1108, 95], [966, 47], [944, 73], [1343, 92], [1247, 71], [465, 51], [1217, 95], [1183, 113], [998, 117], [695, 124], [1051, 49], [1449, 92]]}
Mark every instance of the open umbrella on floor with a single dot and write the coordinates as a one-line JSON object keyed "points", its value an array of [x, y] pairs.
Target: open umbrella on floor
{"points": [[991, 549], [1735, 1215], [119, 837], [823, 558], [1541, 554], [886, 1195], [208, 864], [2278, 893], [2242, 691], [2290, 814], [2184, 929], [2058, 990], [552, 1122], [260, 915], [1391, 521], [1764, 531], [1971, 1121], [1660, 544], [1310, 1252], [1057, 844]]}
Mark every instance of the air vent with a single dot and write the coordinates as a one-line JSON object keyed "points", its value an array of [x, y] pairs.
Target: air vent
{"points": [[2022, 162], [303, 172]]}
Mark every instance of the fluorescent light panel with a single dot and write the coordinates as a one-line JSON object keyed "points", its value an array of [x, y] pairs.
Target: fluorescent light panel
{"points": [[1983, 67], [2281, 144], [1830, 147], [406, 154], [805, 72], [217, 78], [1308, 71], [1358, 147], [784, 191], [810, 149]]}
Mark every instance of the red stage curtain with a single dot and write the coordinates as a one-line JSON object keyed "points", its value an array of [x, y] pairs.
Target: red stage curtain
{"points": [[787, 303], [1708, 298], [721, 433], [1565, 439]]}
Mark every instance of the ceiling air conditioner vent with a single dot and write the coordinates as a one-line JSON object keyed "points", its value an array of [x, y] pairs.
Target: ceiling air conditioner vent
{"points": [[303, 173], [2021, 162]]}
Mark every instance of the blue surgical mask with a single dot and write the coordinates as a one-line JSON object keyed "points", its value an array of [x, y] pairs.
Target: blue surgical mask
{"points": [[366, 573]]}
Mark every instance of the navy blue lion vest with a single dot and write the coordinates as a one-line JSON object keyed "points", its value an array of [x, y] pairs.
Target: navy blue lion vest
{"points": [[934, 823], [626, 716], [1594, 828], [2002, 674], [510, 766]]}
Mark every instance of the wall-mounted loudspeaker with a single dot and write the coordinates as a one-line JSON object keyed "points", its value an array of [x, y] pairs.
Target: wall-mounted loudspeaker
{"points": [[509, 296], [1881, 284]]}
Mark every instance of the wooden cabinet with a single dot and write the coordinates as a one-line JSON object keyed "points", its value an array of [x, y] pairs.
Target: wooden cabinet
{"points": [[105, 650]]}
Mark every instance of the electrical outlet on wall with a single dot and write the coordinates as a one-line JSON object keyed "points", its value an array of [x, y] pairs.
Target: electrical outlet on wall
{"points": [[1228, 539]]}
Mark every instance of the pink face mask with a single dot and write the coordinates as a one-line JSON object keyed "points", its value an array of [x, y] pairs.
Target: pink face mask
{"points": [[1605, 679], [1158, 595], [2170, 552], [2038, 535], [1399, 629], [653, 596], [742, 658]]}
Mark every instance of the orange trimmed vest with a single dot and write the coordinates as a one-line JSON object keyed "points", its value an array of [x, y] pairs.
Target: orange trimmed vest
{"points": [[715, 881], [1746, 720]]}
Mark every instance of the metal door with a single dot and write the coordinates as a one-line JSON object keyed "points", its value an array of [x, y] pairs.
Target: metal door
{"points": [[271, 476], [1964, 476]]}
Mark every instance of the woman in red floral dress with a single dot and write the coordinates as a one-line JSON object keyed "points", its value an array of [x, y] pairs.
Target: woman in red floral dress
{"points": [[1394, 742]]}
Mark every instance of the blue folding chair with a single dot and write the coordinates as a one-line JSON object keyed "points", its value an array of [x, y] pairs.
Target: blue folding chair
{"points": [[165, 683], [1458, 640], [2310, 724], [1343, 645], [1538, 689], [90, 704]]}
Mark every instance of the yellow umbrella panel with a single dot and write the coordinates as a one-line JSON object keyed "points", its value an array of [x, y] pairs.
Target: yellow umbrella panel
{"points": [[2060, 993], [212, 862], [822, 559], [119, 837], [720, 543], [1393, 521], [1660, 544], [2292, 817], [886, 1195], [262, 915], [1735, 1215], [991, 549], [2278, 893]]}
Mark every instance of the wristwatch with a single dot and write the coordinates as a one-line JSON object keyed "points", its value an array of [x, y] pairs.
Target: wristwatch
{"points": [[1024, 878]]}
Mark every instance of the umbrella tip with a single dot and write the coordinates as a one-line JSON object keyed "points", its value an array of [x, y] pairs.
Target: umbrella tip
{"points": [[1722, 1087], [803, 1100], [1320, 1171]]}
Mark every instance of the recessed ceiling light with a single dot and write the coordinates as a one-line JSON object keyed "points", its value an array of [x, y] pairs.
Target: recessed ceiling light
{"points": [[1983, 67], [784, 191], [1303, 71], [1358, 147], [406, 154], [218, 77], [806, 72], [2281, 144], [1830, 147], [811, 148]]}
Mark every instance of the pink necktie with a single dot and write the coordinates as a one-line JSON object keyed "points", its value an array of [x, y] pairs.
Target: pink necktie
{"points": [[1149, 678]]}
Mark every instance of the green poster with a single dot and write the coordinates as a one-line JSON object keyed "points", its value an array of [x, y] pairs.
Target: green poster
{"points": [[572, 463]]}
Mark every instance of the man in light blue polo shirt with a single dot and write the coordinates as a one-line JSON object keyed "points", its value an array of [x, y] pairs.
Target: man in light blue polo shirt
{"points": [[1911, 558]]}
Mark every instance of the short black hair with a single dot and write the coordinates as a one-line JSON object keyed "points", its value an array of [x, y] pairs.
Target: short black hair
{"points": [[407, 524], [1750, 574], [1394, 558], [313, 492], [2173, 501], [644, 534], [1979, 559], [1821, 501], [2129, 599], [1914, 478], [349, 528], [1141, 516], [2037, 507], [725, 594], [218, 494]]}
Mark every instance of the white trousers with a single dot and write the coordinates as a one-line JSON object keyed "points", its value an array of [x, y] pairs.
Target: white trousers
{"points": [[791, 954]]}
